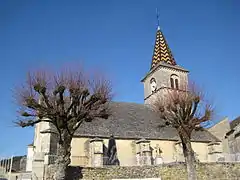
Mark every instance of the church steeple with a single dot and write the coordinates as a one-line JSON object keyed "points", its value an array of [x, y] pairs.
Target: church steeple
{"points": [[162, 52], [164, 73]]}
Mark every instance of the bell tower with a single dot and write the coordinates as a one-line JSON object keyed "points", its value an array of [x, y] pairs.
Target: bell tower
{"points": [[164, 73]]}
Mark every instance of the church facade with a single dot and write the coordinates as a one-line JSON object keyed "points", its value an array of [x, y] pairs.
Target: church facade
{"points": [[138, 136]]}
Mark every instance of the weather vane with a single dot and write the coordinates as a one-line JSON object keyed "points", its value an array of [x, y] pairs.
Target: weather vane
{"points": [[158, 24]]}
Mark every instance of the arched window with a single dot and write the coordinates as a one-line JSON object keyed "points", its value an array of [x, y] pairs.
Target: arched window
{"points": [[174, 81], [153, 85]]}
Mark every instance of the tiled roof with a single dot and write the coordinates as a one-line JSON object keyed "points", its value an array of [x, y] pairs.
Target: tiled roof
{"points": [[131, 120], [162, 52]]}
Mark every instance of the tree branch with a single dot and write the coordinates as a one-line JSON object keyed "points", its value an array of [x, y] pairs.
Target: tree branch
{"points": [[77, 125], [195, 106], [26, 123], [65, 100]]}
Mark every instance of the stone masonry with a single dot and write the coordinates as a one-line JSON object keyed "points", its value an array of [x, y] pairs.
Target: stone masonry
{"points": [[205, 171]]}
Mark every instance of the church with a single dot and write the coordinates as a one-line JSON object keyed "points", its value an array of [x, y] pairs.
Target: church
{"points": [[136, 128]]}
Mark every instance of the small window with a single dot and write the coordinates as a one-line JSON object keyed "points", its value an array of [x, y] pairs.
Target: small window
{"points": [[176, 84], [174, 81], [153, 85]]}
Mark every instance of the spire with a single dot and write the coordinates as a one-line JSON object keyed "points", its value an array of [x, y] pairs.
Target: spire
{"points": [[162, 52], [158, 24]]}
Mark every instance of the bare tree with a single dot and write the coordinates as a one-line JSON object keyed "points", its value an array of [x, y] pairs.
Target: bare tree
{"points": [[65, 100], [185, 111]]}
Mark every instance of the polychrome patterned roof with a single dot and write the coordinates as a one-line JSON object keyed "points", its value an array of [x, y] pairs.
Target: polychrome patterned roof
{"points": [[162, 52]]}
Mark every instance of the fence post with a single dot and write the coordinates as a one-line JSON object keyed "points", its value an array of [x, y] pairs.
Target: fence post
{"points": [[4, 165], [10, 168]]}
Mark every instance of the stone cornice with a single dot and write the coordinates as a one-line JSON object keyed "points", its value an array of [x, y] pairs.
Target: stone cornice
{"points": [[167, 66], [163, 88]]}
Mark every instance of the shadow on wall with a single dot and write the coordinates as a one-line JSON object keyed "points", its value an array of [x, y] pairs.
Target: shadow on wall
{"points": [[110, 153], [106, 157]]}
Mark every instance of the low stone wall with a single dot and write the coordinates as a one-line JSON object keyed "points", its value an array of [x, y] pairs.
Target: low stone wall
{"points": [[205, 171]]}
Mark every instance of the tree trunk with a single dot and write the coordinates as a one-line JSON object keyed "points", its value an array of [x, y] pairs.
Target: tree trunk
{"points": [[63, 157], [189, 158]]}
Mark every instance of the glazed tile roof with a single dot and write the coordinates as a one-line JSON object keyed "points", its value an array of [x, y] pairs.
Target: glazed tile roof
{"points": [[162, 52], [131, 120]]}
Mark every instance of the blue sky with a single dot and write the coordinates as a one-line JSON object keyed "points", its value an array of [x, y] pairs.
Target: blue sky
{"points": [[117, 37]]}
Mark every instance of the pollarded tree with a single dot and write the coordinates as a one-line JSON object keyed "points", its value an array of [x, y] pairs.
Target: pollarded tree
{"points": [[65, 100], [185, 111]]}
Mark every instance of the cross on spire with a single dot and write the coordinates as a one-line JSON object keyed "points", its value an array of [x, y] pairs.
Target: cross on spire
{"points": [[161, 52], [158, 21]]}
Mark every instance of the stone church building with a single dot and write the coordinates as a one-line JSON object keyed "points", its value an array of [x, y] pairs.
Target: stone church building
{"points": [[140, 139], [229, 134]]}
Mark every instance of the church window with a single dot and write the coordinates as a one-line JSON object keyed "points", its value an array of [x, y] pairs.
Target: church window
{"points": [[153, 85], [174, 81]]}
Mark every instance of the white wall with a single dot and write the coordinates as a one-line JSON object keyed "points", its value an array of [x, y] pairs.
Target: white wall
{"points": [[30, 153]]}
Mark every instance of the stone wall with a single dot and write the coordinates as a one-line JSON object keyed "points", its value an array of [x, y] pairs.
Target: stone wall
{"points": [[206, 171], [162, 76], [234, 140], [219, 130]]}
